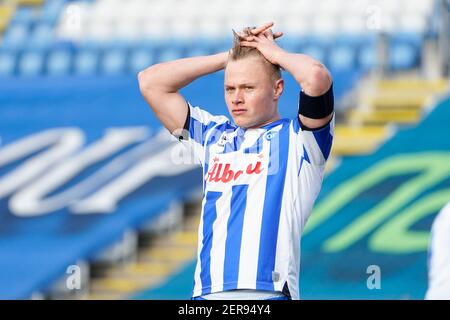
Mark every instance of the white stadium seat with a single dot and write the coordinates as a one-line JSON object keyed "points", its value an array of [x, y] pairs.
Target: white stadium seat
{"points": [[188, 18]]}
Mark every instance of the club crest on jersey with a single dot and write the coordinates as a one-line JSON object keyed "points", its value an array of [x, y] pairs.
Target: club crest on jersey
{"points": [[221, 172], [270, 135], [223, 140]]}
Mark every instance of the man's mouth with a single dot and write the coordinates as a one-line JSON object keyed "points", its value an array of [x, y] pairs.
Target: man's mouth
{"points": [[238, 111]]}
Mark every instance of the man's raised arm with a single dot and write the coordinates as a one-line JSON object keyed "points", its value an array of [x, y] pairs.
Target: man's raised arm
{"points": [[312, 75], [160, 83]]}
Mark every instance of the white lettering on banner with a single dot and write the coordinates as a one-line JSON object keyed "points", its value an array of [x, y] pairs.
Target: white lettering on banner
{"points": [[106, 199], [30, 182], [30, 201], [61, 142]]}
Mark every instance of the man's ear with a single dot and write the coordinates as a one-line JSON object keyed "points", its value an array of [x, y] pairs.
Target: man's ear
{"points": [[278, 89]]}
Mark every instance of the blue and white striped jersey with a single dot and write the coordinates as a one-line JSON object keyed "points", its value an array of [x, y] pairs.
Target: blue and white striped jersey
{"points": [[259, 187]]}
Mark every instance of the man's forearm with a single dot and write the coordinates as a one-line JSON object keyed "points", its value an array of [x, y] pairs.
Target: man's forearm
{"points": [[312, 76], [173, 75]]}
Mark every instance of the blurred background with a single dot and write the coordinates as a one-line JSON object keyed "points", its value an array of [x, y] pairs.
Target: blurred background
{"points": [[92, 203]]}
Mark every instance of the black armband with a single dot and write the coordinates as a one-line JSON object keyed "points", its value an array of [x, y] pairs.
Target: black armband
{"points": [[184, 134], [316, 107], [188, 118]]}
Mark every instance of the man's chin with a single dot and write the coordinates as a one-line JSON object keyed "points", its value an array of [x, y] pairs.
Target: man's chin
{"points": [[242, 124]]}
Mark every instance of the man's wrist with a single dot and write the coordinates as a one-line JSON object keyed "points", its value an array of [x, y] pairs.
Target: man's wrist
{"points": [[278, 57]]}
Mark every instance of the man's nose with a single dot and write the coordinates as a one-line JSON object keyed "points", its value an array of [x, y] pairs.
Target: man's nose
{"points": [[238, 97]]}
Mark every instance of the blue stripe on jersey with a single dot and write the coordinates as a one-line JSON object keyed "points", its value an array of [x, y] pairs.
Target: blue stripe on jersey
{"points": [[198, 130], [271, 211], [256, 147], [234, 145], [305, 157], [324, 140], [209, 216], [234, 235], [213, 138], [296, 124]]}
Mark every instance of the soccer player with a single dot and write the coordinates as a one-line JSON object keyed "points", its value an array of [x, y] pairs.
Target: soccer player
{"points": [[439, 257], [261, 173]]}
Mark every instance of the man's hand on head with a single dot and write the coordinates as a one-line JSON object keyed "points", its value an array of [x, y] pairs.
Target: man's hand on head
{"points": [[263, 39]]}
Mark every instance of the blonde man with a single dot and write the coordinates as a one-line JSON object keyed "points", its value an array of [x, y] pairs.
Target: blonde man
{"points": [[261, 173]]}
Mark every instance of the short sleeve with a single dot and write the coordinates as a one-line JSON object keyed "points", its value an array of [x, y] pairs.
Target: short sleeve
{"points": [[199, 125], [316, 143]]}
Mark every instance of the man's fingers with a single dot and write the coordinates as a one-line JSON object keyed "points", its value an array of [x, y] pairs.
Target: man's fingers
{"points": [[277, 35], [268, 34], [249, 44], [262, 28], [251, 38]]}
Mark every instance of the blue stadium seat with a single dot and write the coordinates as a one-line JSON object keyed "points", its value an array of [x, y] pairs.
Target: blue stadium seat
{"points": [[16, 37], [59, 62], [31, 63], [41, 36], [315, 51], [404, 50], [355, 41], [403, 56], [200, 51], [23, 15], [7, 63], [221, 45], [113, 62], [141, 59], [86, 62], [342, 58], [168, 54], [290, 44], [51, 11], [202, 46], [367, 58], [412, 38]]}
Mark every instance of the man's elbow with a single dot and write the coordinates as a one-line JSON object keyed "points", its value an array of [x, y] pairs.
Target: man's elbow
{"points": [[320, 81], [145, 80]]}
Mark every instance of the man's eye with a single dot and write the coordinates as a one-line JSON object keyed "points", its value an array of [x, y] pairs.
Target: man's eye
{"points": [[229, 89], [249, 88]]}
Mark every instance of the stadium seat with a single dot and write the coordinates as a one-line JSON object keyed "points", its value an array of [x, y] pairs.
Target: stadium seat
{"points": [[86, 62], [23, 15], [59, 62], [342, 58], [15, 37], [113, 62], [167, 54], [41, 37], [315, 51], [31, 63], [51, 10], [7, 63], [141, 59], [402, 56], [367, 58]]}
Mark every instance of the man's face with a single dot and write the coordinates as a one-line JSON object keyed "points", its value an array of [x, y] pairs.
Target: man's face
{"points": [[250, 92]]}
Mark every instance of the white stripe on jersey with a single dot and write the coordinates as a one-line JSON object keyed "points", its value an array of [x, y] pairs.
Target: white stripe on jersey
{"points": [[218, 245], [252, 222]]}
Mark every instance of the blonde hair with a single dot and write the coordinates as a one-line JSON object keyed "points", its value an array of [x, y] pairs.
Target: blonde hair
{"points": [[239, 52]]}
